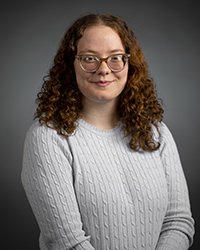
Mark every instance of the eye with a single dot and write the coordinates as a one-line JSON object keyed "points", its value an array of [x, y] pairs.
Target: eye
{"points": [[116, 58], [88, 59]]}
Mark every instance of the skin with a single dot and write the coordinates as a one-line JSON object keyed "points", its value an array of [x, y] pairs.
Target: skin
{"points": [[100, 89]]}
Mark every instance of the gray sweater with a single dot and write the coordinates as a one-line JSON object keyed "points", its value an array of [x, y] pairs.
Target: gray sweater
{"points": [[91, 191]]}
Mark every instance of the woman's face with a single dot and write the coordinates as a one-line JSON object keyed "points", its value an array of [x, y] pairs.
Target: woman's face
{"points": [[103, 85]]}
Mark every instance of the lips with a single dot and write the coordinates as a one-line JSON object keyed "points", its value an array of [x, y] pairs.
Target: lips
{"points": [[103, 83]]}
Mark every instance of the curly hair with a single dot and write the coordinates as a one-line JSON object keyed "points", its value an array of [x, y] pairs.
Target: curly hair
{"points": [[59, 101]]}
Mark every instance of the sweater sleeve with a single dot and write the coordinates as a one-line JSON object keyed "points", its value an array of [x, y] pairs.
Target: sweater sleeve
{"points": [[47, 178], [178, 225]]}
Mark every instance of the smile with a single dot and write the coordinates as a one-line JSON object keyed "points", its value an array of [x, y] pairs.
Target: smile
{"points": [[103, 83]]}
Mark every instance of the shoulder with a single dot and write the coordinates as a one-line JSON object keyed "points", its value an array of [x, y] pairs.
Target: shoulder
{"points": [[43, 142], [40, 131], [162, 132], [166, 139], [40, 137], [37, 129], [36, 134], [165, 133]]}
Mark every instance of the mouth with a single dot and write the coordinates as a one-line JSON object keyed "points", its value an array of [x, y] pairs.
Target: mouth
{"points": [[102, 83]]}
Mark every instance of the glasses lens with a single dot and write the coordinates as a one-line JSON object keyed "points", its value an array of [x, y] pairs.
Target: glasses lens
{"points": [[89, 63], [116, 62]]}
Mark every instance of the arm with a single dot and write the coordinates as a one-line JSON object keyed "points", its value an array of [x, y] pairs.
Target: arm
{"points": [[48, 182], [178, 226]]}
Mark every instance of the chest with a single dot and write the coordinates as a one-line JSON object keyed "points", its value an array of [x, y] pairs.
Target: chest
{"points": [[107, 171]]}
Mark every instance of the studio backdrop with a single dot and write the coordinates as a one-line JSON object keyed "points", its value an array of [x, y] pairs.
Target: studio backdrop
{"points": [[168, 32]]}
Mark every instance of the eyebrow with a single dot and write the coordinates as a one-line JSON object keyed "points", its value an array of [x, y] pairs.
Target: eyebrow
{"points": [[96, 52]]}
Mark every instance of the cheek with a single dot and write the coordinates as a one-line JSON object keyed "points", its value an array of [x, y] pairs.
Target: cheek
{"points": [[80, 76], [123, 77], [82, 83]]}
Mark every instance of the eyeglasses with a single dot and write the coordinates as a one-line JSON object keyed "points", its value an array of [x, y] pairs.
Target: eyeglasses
{"points": [[91, 63]]}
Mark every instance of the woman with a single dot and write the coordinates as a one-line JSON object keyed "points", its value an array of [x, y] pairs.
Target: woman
{"points": [[100, 168]]}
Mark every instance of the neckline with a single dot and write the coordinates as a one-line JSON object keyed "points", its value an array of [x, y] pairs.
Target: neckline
{"points": [[103, 132]]}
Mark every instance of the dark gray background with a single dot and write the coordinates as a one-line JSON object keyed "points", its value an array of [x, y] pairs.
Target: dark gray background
{"points": [[30, 31]]}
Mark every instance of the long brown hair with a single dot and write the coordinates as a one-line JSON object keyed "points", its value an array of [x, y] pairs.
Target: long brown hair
{"points": [[59, 101]]}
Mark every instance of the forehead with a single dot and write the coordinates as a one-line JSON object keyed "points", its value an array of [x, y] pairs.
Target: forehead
{"points": [[99, 38]]}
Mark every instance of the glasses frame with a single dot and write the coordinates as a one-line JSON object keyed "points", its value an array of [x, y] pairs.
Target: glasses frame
{"points": [[125, 59]]}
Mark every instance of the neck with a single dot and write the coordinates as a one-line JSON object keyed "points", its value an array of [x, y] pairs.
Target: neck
{"points": [[100, 115]]}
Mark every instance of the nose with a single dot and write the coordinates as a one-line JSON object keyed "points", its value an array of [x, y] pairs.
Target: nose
{"points": [[103, 69]]}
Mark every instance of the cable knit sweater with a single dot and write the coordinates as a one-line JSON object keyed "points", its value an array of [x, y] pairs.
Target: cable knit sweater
{"points": [[91, 191]]}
